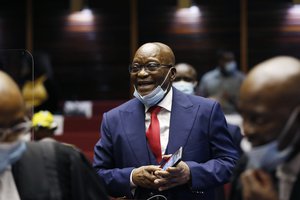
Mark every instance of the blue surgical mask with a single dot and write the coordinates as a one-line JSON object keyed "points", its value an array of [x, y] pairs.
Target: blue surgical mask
{"points": [[10, 153], [184, 86], [268, 156], [154, 96], [230, 67]]}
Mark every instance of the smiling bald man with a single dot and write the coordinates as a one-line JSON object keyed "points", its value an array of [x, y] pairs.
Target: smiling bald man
{"points": [[125, 158]]}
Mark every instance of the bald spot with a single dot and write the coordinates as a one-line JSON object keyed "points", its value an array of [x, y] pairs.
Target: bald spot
{"points": [[11, 100], [157, 49], [184, 68], [275, 79]]}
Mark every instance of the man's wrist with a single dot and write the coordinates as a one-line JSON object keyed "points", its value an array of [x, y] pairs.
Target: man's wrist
{"points": [[132, 185]]}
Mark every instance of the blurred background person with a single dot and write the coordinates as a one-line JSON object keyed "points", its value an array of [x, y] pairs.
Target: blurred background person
{"points": [[186, 81], [270, 106], [186, 78], [38, 86], [43, 125], [223, 82]]}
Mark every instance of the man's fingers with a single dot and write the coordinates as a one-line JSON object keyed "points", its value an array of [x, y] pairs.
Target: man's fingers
{"points": [[263, 177]]}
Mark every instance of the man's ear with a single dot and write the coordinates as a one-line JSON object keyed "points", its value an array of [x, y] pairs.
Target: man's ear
{"points": [[173, 73], [195, 84]]}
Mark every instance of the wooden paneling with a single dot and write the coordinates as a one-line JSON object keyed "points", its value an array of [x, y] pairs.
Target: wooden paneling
{"points": [[194, 39], [272, 30], [89, 59], [12, 24]]}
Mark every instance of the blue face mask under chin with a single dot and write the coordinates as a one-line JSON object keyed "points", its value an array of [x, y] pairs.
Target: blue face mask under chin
{"points": [[154, 96], [10, 153], [267, 156]]}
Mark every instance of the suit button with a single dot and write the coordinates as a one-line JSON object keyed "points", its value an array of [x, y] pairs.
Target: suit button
{"points": [[151, 194]]}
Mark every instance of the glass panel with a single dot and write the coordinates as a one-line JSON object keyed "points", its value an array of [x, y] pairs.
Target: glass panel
{"points": [[18, 63]]}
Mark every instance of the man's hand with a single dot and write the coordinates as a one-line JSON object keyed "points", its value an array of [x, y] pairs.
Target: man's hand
{"points": [[258, 184], [173, 176], [144, 176]]}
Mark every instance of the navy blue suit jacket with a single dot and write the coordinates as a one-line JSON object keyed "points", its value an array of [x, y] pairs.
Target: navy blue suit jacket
{"points": [[197, 124]]}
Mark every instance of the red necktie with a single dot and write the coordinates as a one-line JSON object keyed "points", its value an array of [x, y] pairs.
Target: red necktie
{"points": [[153, 133]]}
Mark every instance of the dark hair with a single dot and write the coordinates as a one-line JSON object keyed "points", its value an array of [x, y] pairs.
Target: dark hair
{"points": [[221, 52]]}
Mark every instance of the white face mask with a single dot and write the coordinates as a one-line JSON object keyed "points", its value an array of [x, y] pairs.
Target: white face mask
{"points": [[230, 67], [10, 153], [184, 86], [268, 156], [154, 96]]}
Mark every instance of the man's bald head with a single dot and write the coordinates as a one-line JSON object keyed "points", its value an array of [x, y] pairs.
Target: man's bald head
{"points": [[268, 95], [159, 50], [11, 102], [186, 70], [276, 79]]}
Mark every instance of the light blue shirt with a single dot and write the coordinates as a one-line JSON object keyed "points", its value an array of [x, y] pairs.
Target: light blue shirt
{"points": [[224, 89]]}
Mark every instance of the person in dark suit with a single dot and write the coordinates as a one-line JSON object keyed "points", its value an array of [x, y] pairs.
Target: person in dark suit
{"points": [[45, 170], [270, 107], [124, 158]]}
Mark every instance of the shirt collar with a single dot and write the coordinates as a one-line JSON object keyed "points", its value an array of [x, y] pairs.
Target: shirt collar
{"points": [[166, 103]]}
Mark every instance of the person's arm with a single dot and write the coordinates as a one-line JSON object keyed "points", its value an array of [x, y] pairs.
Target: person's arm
{"points": [[215, 171], [224, 154], [119, 180], [116, 180]]}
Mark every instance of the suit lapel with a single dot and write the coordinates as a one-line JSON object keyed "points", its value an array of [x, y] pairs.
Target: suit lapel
{"points": [[133, 121], [181, 122]]}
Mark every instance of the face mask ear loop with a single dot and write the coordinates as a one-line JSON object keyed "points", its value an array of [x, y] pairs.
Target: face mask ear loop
{"points": [[166, 78], [297, 135], [291, 120], [195, 84], [296, 138], [163, 81]]}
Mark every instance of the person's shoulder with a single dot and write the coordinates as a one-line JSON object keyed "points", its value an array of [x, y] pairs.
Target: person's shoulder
{"points": [[128, 105], [43, 145], [233, 127], [196, 99], [210, 74], [239, 74], [67, 148]]}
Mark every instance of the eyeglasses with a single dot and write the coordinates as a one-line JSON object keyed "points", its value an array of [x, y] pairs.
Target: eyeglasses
{"points": [[149, 67], [20, 128]]}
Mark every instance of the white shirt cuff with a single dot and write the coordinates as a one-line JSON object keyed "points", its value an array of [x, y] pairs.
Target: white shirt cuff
{"points": [[132, 185]]}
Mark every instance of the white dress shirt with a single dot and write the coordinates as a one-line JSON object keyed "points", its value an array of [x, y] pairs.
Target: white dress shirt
{"points": [[163, 117], [164, 120], [287, 174], [8, 189]]}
